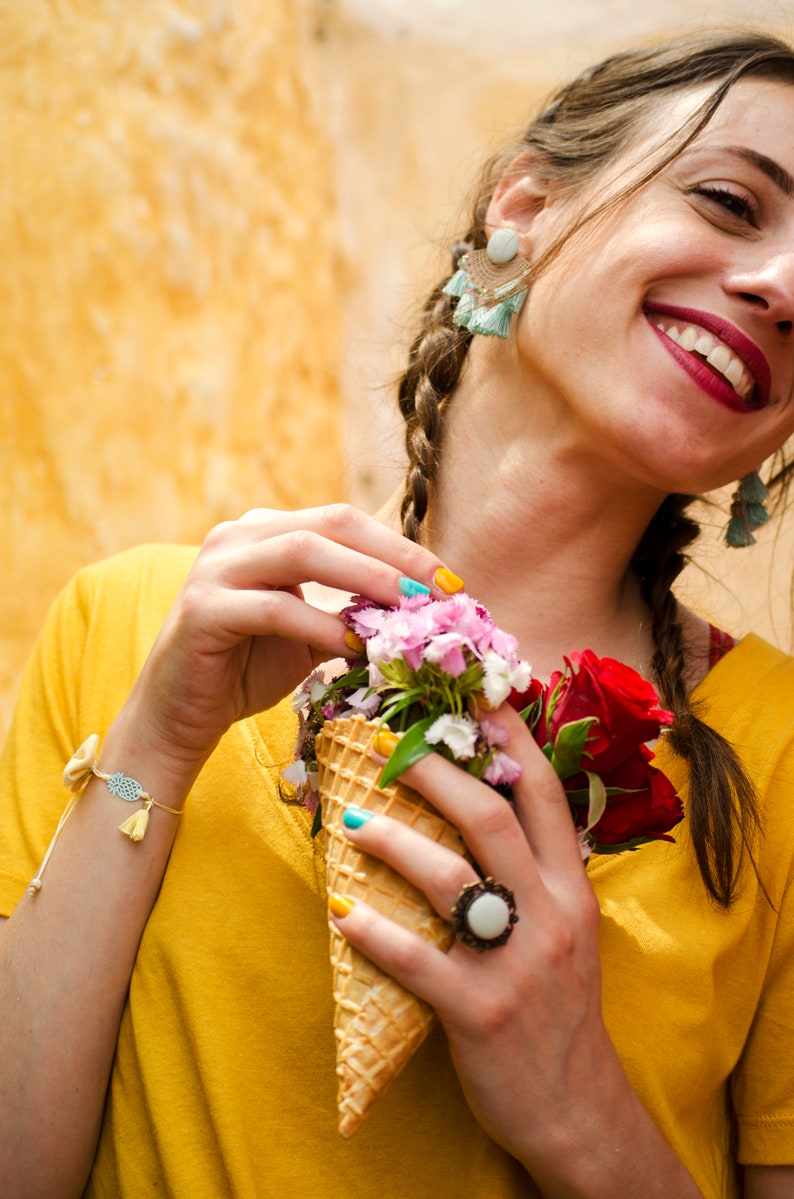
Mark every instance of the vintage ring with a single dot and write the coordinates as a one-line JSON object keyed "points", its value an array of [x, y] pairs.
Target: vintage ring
{"points": [[484, 914]]}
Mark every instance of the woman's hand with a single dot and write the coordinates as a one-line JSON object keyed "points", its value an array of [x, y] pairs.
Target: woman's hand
{"points": [[523, 1020], [241, 636]]}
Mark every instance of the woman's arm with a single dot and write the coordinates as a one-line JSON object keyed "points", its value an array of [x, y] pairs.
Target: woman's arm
{"points": [[238, 638], [768, 1182], [524, 1020]]}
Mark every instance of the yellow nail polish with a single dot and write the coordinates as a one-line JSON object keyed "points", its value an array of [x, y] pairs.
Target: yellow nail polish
{"points": [[446, 581], [354, 642], [384, 742], [340, 905]]}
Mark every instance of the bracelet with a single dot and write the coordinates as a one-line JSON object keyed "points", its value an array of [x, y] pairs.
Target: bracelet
{"points": [[80, 769]]}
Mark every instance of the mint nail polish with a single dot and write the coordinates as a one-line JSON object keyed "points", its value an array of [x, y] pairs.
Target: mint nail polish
{"points": [[411, 587], [355, 817]]}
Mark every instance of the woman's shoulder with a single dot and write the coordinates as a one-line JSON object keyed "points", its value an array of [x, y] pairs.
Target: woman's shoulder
{"points": [[143, 579], [748, 695], [155, 566]]}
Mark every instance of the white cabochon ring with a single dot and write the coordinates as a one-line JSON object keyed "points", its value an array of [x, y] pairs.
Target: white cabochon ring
{"points": [[484, 914]]}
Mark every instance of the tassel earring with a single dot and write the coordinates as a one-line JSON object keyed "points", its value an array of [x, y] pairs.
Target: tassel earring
{"points": [[747, 511], [490, 285]]}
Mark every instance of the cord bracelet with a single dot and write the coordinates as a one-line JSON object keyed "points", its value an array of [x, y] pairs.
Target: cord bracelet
{"points": [[79, 771]]}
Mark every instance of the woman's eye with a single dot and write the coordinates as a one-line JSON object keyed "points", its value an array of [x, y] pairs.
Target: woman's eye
{"points": [[738, 205]]}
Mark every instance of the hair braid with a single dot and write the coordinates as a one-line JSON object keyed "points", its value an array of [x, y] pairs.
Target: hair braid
{"points": [[435, 364], [723, 815]]}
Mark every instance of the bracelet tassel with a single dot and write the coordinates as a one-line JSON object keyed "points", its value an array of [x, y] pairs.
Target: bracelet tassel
{"points": [[135, 826]]}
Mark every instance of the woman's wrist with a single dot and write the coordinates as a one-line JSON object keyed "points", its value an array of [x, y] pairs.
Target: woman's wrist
{"points": [[136, 745], [604, 1143]]}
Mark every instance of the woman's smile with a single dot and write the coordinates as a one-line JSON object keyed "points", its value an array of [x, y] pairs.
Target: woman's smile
{"points": [[727, 364]]}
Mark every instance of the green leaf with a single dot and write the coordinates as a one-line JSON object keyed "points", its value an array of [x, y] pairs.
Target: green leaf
{"points": [[551, 702], [531, 714], [353, 680], [598, 799], [622, 846], [403, 701], [317, 823], [412, 748], [569, 746]]}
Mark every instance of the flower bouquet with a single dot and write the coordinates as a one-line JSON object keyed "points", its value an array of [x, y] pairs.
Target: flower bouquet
{"points": [[431, 671]]}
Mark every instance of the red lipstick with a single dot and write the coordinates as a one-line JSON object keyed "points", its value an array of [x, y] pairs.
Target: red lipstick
{"points": [[741, 345]]}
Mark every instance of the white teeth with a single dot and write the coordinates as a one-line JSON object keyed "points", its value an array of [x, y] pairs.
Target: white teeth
{"points": [[720, 358], [733, 372], [717, 354]]}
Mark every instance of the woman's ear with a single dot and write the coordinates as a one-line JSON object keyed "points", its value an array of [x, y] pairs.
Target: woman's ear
{"points": [[521, 197]]}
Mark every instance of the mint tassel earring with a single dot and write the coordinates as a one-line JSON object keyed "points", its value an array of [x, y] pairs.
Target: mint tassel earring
{"points": [[747, 511], [490, 286]]}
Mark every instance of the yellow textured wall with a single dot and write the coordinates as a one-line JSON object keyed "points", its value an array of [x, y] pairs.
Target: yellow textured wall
{"points": [[169, 331]]}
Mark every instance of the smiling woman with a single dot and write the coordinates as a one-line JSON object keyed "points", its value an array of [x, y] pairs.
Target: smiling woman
{"points": [[614, 336]]}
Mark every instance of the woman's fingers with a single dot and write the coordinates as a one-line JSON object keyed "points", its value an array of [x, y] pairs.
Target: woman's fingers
{"points": [[384, 556], [292, 559], [484, 818], [535, 834], [540, 802], [416, 964], [438, 872]]}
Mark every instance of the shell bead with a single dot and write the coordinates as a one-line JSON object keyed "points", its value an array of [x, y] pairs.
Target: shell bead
{"points": [[502, 246]]}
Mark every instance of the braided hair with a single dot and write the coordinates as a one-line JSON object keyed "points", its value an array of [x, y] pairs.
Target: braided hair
{"points": [[586, 125]]}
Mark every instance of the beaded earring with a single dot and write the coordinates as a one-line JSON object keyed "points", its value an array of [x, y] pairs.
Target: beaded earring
{"points": [[747, 511], [490, 285]]}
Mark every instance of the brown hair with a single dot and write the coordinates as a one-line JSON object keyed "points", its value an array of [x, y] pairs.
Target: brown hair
{"points": [[583, 129]]}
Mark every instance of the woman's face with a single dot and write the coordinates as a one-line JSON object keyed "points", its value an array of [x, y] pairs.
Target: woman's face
{"points": [[667, 329]]}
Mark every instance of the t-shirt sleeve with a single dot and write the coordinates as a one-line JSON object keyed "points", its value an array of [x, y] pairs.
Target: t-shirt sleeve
{"points": [[43, 736], [763, 1083]]}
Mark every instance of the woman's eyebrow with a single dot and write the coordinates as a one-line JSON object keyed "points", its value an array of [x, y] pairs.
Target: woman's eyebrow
{"points": [[773, 170]]}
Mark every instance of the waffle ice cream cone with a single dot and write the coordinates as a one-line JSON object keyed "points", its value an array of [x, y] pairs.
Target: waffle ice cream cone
{"points": [[377, 1023]]}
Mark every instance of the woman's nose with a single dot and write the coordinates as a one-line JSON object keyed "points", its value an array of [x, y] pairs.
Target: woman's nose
{"points": [[768, 285]]}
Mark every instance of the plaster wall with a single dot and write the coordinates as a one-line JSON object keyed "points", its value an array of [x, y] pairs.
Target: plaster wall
{"points": [[169, 331]]}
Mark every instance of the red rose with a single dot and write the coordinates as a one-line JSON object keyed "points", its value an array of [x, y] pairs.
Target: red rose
{"points": [[625, 706], [649, 810]]}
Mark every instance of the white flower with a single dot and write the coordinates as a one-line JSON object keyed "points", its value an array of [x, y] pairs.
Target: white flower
{"points": [[361, 701], [459, 733], [500, 677], [296, 774], [311, 689]]}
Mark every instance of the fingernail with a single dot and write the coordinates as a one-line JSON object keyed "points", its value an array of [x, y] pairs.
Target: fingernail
{"points": [[354, 642], [340, 905], [355, 817], [410, 587], [384, 742], [446, 581]]}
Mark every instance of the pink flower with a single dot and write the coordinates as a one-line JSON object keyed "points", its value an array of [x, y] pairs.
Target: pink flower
{"points": [[502, 769], [495, 734]]}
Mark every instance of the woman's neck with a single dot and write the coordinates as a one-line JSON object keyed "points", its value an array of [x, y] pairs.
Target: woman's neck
{"points": [[540, 528]]}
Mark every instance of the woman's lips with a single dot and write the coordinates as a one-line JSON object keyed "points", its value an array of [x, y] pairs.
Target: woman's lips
{"points": [[737, 374]]}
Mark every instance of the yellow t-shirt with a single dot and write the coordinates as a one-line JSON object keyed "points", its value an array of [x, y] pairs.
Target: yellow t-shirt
{"points": [[223, 1083]]}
